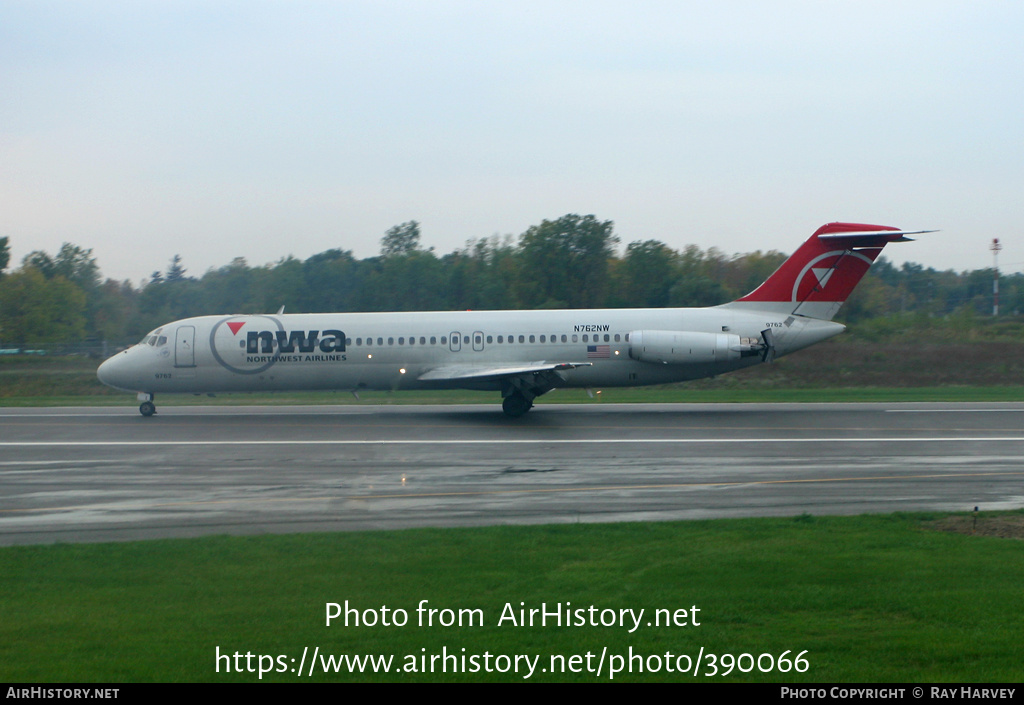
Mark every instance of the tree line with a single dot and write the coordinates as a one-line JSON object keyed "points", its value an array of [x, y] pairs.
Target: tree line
{"points": [[569, 262]]}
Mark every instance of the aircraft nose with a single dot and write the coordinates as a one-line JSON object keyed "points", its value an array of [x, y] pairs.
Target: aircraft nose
{"points": [[116, 372]]}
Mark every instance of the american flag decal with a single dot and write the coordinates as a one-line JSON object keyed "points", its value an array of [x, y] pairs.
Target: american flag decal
{"points": [[598, 351]]}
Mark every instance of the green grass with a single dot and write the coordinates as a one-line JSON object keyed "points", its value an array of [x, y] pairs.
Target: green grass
{"points": [[833, 371], [870, 598], [673, 394]]}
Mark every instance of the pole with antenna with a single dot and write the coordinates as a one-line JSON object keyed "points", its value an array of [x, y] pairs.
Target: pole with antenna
{"points": [[995, 247]]}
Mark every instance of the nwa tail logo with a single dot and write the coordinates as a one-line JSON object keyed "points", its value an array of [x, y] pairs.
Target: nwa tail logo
{"points": [[263, 341], [832, 276]]}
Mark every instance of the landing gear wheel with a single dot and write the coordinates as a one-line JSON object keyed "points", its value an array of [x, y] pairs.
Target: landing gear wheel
{"points": [[515, 405], [147, 408]]}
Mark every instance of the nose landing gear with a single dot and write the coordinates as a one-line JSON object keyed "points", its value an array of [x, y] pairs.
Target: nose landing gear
{"points": [[147, 408]]}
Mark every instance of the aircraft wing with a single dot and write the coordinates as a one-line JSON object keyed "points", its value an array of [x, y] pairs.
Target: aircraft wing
{"points": [[491, 372]]}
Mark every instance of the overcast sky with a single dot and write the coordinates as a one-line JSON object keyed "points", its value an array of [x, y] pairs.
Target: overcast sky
{"points": [[254, 129]]}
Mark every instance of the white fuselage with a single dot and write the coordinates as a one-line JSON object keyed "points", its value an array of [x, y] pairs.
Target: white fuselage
{"points": [[461, 349]]}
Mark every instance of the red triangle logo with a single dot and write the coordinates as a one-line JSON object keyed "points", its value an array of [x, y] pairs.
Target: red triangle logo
{"points": [[235, 326]]}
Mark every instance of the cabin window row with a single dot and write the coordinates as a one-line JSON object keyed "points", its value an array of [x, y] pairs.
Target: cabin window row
{"points": [[491, 339]]}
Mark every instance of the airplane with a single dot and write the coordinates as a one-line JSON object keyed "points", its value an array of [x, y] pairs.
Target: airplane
{"points": [[522, 354]]}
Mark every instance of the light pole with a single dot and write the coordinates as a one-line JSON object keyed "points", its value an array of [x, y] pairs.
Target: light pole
{"points": [[995, 247]]}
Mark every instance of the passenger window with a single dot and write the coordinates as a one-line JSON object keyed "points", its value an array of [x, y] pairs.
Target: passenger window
{"points": [[433, 340], [532, 339], [564, 339], [522, 339]]}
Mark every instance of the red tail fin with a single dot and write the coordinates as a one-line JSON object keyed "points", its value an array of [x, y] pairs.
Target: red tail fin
{"points": [[818, 277]]}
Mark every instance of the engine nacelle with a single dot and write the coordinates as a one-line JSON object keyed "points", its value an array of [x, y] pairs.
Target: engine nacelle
{"points": [[671, 347]]}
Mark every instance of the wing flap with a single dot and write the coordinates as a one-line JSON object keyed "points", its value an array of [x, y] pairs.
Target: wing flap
{"points": [[480, 372]]}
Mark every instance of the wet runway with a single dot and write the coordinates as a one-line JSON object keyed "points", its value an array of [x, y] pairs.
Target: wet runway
{"points": [[102, 474]]}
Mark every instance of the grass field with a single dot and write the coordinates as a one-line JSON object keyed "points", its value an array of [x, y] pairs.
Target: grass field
{"points": [[856, 599], [850, 371]]}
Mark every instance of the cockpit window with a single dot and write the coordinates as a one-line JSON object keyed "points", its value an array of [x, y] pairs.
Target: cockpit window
{"points": [[154, 338]]}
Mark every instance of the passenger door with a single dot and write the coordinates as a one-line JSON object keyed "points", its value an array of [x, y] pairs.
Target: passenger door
{"points": [[184, 346]]}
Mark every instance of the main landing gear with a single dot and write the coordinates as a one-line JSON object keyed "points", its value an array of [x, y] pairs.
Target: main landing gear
{"points": [[147, 408], [516, 404]]}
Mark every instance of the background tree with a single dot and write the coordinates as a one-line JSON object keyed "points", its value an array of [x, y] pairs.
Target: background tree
{"points": [[175, 272], [697, 281], [36, 311], [483, 275], [565, 262], [646, 275], [116, 319], [5, 254], [75, 264], [331, 282], [400, 240]]}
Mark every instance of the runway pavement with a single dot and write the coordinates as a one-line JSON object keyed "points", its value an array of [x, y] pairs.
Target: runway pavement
{"points": [[102, 474]]}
